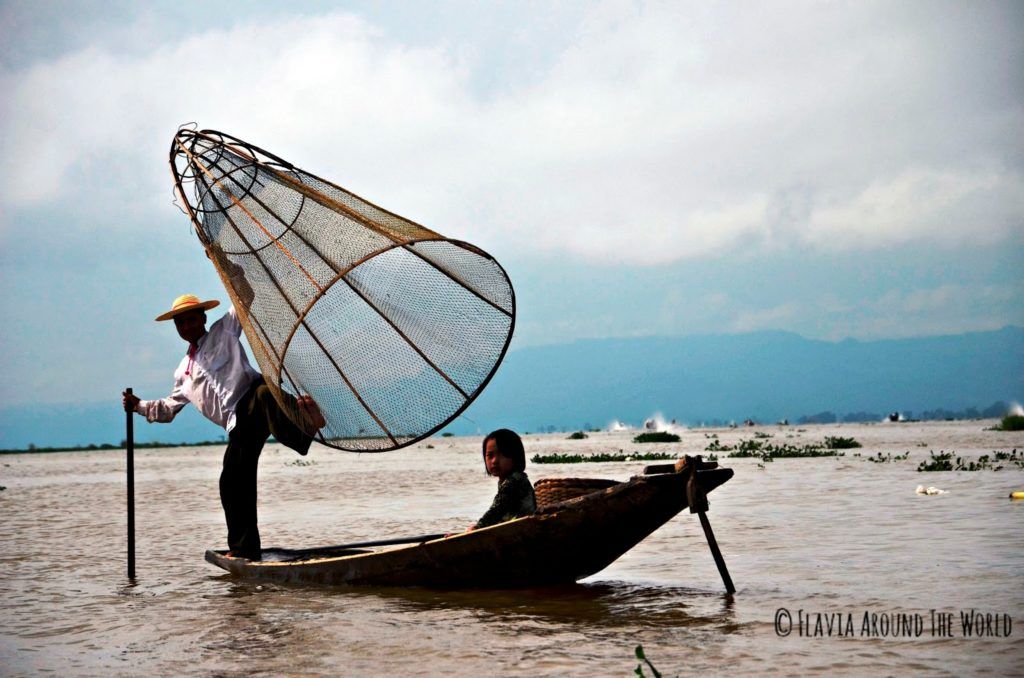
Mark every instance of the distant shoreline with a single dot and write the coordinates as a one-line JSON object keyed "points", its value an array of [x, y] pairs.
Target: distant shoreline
{"points": [[108, 446], [804, 421]]}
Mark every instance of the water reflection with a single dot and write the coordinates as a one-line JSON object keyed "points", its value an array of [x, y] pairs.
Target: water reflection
{"points": [[599, 605]]}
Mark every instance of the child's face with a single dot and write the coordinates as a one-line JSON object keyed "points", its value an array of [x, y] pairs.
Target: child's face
{"points": [[496, 463]]}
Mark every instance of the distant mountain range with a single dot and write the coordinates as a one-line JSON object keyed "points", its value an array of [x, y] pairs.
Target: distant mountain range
{"points": [[764, 376]]}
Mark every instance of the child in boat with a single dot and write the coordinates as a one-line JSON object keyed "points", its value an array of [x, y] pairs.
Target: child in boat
{"points": [[504, 457]]}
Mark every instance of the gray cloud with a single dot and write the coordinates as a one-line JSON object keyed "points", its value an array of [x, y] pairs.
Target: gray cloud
{"points": [[659, 133]]}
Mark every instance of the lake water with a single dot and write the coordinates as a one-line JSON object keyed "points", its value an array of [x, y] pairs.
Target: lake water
{"points": [[831, 537]]}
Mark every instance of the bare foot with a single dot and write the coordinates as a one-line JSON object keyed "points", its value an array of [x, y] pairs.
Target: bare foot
{"points": [[309, 408]]}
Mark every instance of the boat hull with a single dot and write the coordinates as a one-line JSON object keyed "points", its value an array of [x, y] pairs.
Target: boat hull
{"points": [[561, 544]]}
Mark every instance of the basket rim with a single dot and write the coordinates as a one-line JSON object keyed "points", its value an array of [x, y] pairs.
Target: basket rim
{"points": [[577, 482]]}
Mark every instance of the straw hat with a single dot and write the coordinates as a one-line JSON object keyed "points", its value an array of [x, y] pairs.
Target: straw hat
{"points": [[185, 303]]}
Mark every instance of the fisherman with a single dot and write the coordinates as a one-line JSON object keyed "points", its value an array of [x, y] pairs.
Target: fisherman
{"points": [[216, 377]]}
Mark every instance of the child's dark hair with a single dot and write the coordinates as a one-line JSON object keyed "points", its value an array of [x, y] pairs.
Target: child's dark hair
{"points": [[509, 445]]}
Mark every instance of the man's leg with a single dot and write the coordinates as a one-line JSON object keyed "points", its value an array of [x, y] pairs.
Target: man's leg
{"points": [[238, 489], [280, 426]]}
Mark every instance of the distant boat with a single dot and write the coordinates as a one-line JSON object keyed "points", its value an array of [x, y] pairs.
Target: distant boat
{"points": [[564, 542]]}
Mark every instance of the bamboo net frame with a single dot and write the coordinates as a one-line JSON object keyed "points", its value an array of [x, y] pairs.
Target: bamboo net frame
{"points": [[392, 328]]}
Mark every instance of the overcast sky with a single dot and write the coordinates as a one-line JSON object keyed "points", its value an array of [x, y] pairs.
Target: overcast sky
{"points": [[832, 169]]}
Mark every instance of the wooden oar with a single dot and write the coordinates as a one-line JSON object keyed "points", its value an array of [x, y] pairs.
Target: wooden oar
{"points": [[362, 544], [129, 446]]}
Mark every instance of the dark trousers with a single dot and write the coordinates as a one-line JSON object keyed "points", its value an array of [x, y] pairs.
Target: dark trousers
{"points": [[258, 416]]}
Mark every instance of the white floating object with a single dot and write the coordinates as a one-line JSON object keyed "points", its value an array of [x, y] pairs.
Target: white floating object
{"points": [[921, 489]]}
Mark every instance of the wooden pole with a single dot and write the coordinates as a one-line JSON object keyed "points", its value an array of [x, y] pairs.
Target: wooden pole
{"points": [[717, 554], [697, 499], [361, 544], [129, 446]]}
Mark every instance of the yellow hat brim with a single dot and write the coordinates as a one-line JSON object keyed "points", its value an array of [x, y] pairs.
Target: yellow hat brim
{"points": [[201, 306]]}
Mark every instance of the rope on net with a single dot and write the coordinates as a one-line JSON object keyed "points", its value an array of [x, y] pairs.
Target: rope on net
{"points": [[390, 327]]}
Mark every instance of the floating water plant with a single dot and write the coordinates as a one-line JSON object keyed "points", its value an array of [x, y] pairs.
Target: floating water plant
{"points": [[840, 443], [1012, 422], [806, 451], [301, 462], [557, 458], [1012, 457], [640, 667], [768, 451], [880, 459], [943, 461], [657, 437], [748, 448]]}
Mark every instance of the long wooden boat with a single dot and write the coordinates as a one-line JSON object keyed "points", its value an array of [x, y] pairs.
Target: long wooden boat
{"points": [[562, 543]]}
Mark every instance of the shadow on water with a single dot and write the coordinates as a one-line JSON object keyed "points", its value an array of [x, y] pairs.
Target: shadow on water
{"points": [[599, 604]]}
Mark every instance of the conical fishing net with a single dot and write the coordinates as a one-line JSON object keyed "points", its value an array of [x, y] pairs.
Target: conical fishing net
{"points": [[392, 328]]}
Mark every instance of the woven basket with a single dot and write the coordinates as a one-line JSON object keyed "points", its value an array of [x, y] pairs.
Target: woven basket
{"points": [[553, 490]]}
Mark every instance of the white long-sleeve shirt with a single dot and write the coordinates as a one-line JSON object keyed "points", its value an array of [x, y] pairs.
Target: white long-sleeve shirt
{"points": [[218, 377]]}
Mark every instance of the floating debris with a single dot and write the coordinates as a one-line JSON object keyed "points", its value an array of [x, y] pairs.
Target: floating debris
{"points": [[931, 491]]}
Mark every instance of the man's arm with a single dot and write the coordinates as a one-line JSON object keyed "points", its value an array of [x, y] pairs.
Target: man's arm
{"points": [[163, 410], [231, 322]]}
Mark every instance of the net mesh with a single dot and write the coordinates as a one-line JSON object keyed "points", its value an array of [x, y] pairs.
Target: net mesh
{"points": [[392, 328]]}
